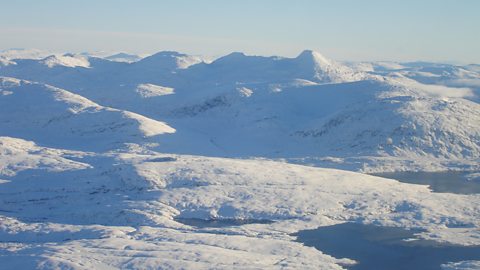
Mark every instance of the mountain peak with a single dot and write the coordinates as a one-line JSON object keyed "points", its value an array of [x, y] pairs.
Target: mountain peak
{"points": [[243, 59], [235, 56], [123, 57], [170, 60], [66, 60], [168, 54], [324, 70], [313, 57]]}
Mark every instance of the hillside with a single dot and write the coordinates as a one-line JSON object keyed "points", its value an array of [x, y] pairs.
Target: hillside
{"points": [[125, 209], [55, 117]]}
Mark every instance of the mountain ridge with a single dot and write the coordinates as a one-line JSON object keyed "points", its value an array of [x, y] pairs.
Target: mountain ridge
{"points": [[281, 107]]}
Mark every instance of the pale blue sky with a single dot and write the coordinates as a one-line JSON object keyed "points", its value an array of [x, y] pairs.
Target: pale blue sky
{"points": [[435, 30]]}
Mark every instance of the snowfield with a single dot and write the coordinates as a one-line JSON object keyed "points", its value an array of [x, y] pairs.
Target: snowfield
{"points": [[117, 210], [104, 162]]}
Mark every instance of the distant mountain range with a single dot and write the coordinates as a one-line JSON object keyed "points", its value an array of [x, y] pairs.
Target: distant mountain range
{"points": [[304, 109]]}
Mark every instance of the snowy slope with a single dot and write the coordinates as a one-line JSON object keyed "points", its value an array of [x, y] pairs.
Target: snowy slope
{"points": [[428, 73], [56, 117], [405, 118], [375, 66], [5, 61], [19, 155], [168, 60], [119, 212], [66, 60], [376, 118], [107, 82]]}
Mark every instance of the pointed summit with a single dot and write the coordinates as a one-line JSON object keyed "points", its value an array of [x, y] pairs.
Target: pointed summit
{"points": [[313, 57], [233, 55], [314, 66]]}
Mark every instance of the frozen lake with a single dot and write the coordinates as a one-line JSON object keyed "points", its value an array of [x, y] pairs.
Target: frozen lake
{"points": [[445, 182], [376, 247], [373, 247]]}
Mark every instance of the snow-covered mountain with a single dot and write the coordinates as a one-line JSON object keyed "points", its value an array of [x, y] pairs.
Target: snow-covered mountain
{"points": [[241, 68], [391, 118], [20, 53], [427, 73], [168, 61], [123, 57], [103, 163], [307, 107], [66, 60], [52, 116]]}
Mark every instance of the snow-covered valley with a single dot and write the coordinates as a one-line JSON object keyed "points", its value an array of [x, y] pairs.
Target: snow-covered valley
{"points": [[101, 158]]}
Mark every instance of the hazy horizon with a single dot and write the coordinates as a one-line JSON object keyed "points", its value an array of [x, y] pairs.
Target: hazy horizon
{"points": [[436, 31]]}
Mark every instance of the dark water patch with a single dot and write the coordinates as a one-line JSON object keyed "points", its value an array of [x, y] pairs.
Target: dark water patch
{"points": [[442, 182], [161, 159], [384, 248], [220, 223]]}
